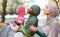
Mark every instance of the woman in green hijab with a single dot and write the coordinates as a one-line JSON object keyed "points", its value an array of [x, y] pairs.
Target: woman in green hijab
{"points": [[32, 20]]}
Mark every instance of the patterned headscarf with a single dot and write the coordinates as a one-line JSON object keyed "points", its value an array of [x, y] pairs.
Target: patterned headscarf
{"points": [[21, 13], [53, 8]]}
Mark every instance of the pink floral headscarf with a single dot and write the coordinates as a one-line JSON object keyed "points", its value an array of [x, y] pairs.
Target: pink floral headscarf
{"points": [[21, 13]]}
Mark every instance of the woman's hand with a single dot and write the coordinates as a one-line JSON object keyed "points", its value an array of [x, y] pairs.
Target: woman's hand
{"points": [[33, 28], [6, 22], [18, 23]]}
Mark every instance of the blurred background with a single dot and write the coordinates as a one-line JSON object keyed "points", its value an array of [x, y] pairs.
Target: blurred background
{"points": [[8, 10]]}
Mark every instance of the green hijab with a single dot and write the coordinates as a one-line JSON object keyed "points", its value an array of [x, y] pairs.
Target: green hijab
{"points": [[35, 10]]}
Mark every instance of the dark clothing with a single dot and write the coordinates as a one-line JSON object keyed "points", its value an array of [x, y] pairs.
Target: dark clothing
{"points": [[40, 34]]}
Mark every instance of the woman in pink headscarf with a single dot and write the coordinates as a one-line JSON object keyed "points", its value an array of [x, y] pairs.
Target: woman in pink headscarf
{"points": [[20, 20]]}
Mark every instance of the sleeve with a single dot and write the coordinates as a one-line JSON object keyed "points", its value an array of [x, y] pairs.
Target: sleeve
{"points": [[53, 32], [46, 29], [40, 34], [14, 28]]}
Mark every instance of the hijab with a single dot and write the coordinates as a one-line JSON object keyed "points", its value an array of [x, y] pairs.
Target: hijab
{"points": [[21, 13]]}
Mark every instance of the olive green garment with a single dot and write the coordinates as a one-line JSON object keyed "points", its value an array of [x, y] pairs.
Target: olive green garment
{"points": [[33, 20]]}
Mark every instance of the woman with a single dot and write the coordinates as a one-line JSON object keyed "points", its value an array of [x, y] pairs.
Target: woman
{"points": [[20, 20], [50, 28], [34, 11]]}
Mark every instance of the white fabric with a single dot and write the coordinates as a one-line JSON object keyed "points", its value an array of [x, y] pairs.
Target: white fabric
{"points": [[18, 34]]}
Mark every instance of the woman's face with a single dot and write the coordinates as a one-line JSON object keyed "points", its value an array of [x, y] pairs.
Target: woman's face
{"points": [[29, 11], [47, 10], [17, 11]]}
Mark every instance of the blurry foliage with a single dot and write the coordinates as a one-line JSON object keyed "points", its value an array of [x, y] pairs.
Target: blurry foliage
{"points": [[0, 6], [57, 2], [11, 6]]}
